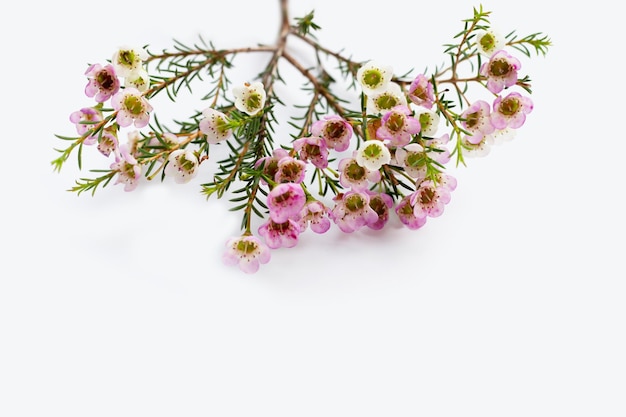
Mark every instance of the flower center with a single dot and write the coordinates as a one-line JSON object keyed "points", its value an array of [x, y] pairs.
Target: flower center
{"points": [[414, 160], [354, 203], [499, 68], [509, 106], [105, 80], [395, 122], [386, 102], [372, 78], [471, 120], [372, 151], [425, 120], [335, 130], [134, 105], [127, 58], [290, 171], [186, 164], [312, 150], [427, 196], [354, 171], [253, 101], [487, 42], [246, 247]]}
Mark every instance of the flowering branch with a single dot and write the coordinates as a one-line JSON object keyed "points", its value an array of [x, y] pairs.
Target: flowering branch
{"points": [[357, 155]]}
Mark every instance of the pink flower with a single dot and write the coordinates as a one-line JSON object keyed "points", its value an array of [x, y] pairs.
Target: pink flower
{"points": [[421, 92], [430, 199], [352, 175], [128, 170], [103, 82], [406, 214], [214, 125], [352, 211], [314, 149], [279, 235], [290, 170], [182, 164], [477, 121], [246, 251], [315, 214], [381, 203], [335, 130], [501, 71], [397, 126], [413, 159], [84, 119], [285, 201], [437, 150], [511, 111], [108, 142], [131, 108]]}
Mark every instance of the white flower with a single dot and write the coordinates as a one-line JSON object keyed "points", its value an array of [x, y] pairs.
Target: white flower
{"points": [[500, 136], [214, 125], [373, 155], [250, 98], [182, 165], [429, 120], [128, 60], [374, 77], [413, 158], [386, 99], [138, 79], [489, 41]]}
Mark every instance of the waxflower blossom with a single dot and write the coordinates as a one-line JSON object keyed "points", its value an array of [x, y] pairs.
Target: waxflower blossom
{"points": [[315, 215], [128, 170], [489, 41], [501, 71], [510, 111], [476, 150], [386, 99], [182, 164], [353, 175], [335, 131], [430, 199], [421, 92], [373, 155], [107, 142], [250, 98], [381, 203], [248, 252], [500, 136], [429, 121], [290, 169], [279, 235], [407, 216], [103, 82], [214, 125], [398, 126], [476, 120], [131, 107], [128, 60], [313, 149], [84, 119], [412, 158], [374, 77], [352, 211], [285, 201], [138, 79]]}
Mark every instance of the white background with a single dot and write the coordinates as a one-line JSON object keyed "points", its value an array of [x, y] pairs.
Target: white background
{"points": [[510, 304]]}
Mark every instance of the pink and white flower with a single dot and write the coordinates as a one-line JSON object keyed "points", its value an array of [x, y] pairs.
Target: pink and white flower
{"points": [[429, 121], [315, 214], [381, 203], [128, 60], [412, 158], [352, 211], [489, 41], [500, 71], [335, 131], [131, 107], [103, 82], [285, 201], [421, 92], [290, 169], [406, 213], [430, 199], [85, 119], [250, 98], [355, 176], [269, 164], [313, 149], [138, 79], [398, 126], [247, 251], [214, 125], [127, 167], [511, 111], [476, 120], [279, 235], [182, 164]]}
